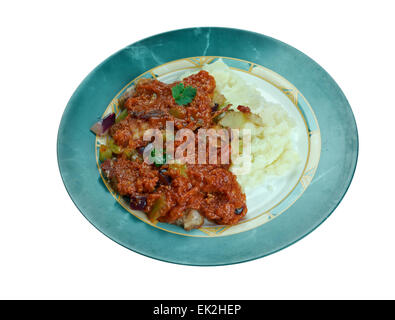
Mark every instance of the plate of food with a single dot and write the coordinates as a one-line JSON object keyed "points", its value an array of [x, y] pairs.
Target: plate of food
{"points": [[207, 146]]}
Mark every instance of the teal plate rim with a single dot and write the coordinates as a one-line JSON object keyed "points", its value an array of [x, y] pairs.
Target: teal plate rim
{"points": [[77, 165]]}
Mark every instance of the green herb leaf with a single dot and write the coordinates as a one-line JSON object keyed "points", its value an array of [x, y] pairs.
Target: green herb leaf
{"points": [[183, 95], [157, 160]]}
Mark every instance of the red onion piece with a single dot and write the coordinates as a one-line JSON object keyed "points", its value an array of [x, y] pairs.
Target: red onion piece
{"points": [[100, 128], [138, 202], [163, 178]]}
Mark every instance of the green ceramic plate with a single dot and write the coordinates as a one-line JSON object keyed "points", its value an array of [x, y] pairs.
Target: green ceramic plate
{"points": [[327, 142]]}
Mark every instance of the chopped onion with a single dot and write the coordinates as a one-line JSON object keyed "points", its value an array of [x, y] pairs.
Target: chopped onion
{"points": [[164, 178], [101, 127], [138, 202]]}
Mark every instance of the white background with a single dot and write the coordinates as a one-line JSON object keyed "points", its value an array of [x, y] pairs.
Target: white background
{"points": [[49, 250]]}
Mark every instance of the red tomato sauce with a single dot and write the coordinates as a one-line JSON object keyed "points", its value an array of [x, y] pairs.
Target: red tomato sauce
{"points": [[167, 192]]}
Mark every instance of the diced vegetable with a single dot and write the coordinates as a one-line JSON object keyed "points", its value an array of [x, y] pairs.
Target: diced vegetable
{"points": [[104, 153], [177, 112], [163, 177], [128, 152], [121, 116], [101, 127], [157, 158], [154, 214], [215, 107], [114, 148], [219, 98], [192, 220], [237, 120], [181, 168], [234, 120], [131, 154], [138, 202]]}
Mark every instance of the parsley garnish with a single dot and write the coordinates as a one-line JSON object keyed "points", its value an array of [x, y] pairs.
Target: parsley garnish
{"points": [[157, 160], [183, 95]]}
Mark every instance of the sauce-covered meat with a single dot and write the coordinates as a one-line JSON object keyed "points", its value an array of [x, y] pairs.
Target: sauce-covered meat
{"points": [[172, 192]]}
